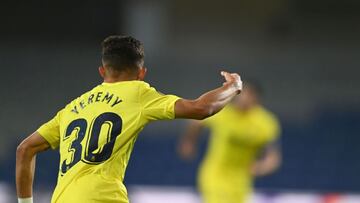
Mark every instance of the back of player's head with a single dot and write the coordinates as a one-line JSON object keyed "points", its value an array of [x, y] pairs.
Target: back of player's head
{"points": [[254, 86], [122, 53], [250, 96]]}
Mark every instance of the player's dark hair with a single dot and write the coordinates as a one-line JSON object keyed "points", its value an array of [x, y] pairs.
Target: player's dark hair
{"points": [[122, 53]]}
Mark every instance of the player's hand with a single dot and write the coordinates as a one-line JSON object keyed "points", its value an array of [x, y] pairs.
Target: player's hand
{"points": [[233, 79], [187, 150]]}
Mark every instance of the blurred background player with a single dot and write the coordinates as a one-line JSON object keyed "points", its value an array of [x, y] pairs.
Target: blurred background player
{"points": [[243, 145]]}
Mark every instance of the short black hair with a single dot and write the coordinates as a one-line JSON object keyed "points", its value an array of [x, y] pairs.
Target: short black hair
{"points": [[122, 53]]}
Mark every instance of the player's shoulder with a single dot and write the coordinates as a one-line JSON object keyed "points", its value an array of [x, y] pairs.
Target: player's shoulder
{"points": [[145, 89], [142, 84], [140, 87], [72, 105], [266, 114]]}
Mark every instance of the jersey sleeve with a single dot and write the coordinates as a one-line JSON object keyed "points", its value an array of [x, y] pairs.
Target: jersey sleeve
{"points": [[50, 131], [155, 105]]}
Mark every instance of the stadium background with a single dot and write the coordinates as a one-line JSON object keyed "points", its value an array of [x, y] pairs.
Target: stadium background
{"points": [[304, 52]]}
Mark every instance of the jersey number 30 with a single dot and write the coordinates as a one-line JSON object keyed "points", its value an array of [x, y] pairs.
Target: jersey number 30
{"points": [[93, 154]]}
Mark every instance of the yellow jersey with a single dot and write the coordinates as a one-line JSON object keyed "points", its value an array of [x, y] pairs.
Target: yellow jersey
{"points": [[95, 134], [236, 140]]}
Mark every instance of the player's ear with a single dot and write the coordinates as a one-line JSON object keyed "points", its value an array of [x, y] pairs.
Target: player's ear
{"points": [[102, 71], [142, 73]]}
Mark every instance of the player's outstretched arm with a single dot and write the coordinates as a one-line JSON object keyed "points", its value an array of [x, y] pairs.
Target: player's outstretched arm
{"points": [[211, 102], [25, 164], [269, 163]]}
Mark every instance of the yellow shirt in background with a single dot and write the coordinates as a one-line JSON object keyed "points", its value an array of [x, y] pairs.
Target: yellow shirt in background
{"points": [[95, 134], [236, 140]]}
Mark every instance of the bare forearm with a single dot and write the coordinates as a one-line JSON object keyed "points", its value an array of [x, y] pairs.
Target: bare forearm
{"points": [[215, 100], [25, 168], [269, 164], [25, 163]]}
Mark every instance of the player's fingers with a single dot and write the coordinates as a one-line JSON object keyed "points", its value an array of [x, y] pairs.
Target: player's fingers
{"points": [[228, 77], [186, 151], [235, 79], [236, 76], [224, 73], [238, 82]]}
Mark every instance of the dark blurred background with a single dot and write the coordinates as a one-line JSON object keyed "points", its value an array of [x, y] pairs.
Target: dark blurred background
{"points": [[304, 52]]}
